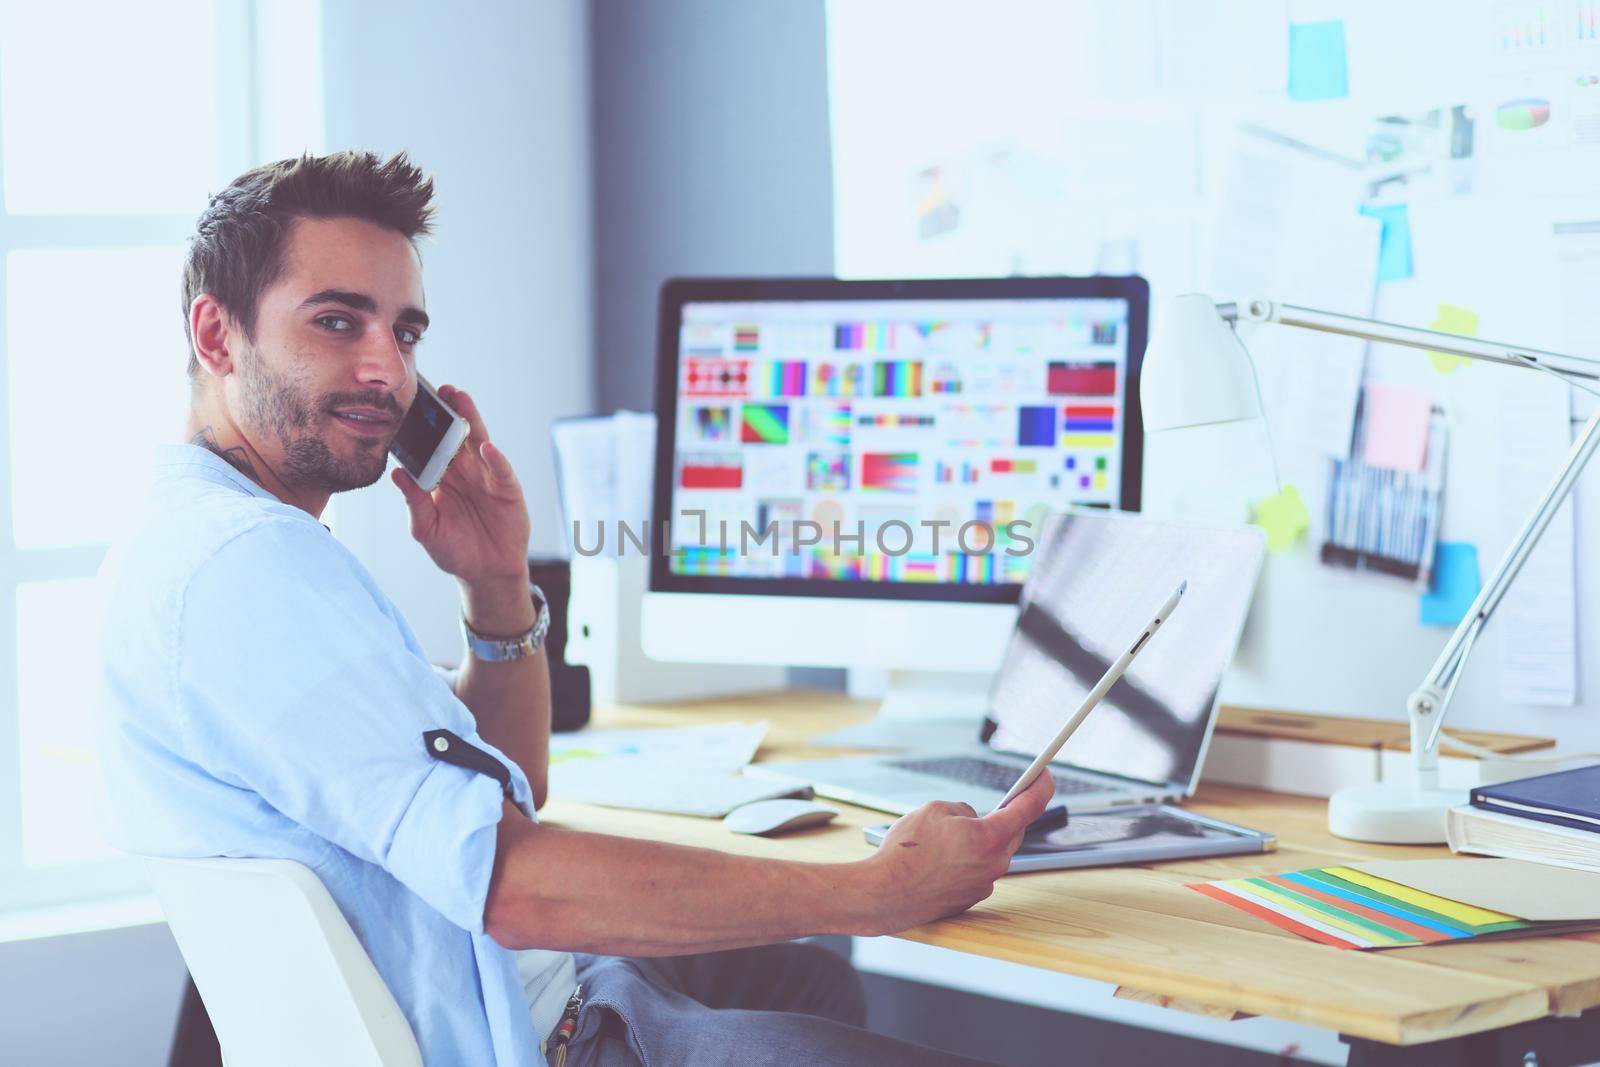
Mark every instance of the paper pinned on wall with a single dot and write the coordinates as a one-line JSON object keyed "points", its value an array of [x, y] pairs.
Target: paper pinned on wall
{"points": [[1454, 586], [1284, 518], [934, 202], [605, 473], [1386, 521], [1394, 248], [1276, 239], [1456, 320], [1318, 68], [1108, 156], [1397, 427], [1537, 619], [1577, 255], [1181, 48]]}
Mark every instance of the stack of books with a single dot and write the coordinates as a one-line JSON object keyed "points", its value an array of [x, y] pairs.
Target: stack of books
{"points": [[1553, 819]]}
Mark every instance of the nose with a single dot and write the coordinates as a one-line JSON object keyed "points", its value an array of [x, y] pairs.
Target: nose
{"points": [[383, 363]]}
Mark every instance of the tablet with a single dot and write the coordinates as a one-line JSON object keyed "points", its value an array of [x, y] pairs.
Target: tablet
{"points": [[1140, 833]]}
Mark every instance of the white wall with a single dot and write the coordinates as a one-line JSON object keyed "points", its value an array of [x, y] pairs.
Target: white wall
{"points": [[492, 98]]}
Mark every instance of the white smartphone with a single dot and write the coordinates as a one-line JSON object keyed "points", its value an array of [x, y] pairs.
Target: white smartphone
{"points": [[429, 438]]}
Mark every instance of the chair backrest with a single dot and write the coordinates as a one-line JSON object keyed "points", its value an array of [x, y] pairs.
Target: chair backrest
{"points": [[281, 973]]}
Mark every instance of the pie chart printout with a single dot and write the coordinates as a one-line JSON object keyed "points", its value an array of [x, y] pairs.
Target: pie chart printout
{"points": [[1525, 114]]}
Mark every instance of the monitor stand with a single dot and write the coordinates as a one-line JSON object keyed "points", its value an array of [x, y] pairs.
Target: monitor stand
{"points": [[913, 696]]}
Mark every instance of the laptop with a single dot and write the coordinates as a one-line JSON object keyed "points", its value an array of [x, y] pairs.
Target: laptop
{"points": [[1093, 581]]}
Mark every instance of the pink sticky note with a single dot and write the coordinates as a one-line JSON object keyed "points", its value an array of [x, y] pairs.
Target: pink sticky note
{"points": [[1396, 425]]}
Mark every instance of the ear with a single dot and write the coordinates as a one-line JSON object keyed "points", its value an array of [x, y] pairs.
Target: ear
{"points": [[214, 333]]}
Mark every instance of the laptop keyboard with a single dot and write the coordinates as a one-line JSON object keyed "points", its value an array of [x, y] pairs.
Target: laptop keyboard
{"points": [[987, 773]]}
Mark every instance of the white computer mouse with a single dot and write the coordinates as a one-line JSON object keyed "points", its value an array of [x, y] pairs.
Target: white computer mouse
{"points": [[777, 816]]}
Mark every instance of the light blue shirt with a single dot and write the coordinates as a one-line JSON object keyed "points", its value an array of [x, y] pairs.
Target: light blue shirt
{"points": [[262, 697]]}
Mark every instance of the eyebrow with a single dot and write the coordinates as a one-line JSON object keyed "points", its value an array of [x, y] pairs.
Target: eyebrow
{"points": [[363, 302]]}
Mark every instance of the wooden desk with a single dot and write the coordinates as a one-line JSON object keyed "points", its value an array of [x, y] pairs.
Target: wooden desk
{"points": [[1139, 928]]}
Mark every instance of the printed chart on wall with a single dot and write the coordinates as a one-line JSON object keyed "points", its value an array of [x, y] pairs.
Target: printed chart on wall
{"points": [[919, 432]]}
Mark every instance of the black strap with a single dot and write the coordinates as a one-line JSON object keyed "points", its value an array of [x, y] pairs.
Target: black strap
{"points": [[446, 747]]}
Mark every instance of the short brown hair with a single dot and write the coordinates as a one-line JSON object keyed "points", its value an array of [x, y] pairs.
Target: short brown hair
{"points": [[237, 247]]}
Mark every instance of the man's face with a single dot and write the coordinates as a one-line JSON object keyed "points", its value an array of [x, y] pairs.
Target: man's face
{"points": [[321, 391]]}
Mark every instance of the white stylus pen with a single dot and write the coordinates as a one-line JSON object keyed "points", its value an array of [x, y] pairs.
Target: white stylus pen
{"points": [[1100, 689]]}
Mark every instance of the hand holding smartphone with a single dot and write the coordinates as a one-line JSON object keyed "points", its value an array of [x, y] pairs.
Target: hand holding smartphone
{"points": [[430, 436]]}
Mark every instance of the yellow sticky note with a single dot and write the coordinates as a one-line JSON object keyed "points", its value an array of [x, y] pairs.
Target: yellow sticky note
{"points": [[1450, 909], [1284, 518], [1455, 320]]}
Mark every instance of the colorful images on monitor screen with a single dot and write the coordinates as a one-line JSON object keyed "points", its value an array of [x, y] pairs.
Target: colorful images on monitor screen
{"points": [[891, 442]]}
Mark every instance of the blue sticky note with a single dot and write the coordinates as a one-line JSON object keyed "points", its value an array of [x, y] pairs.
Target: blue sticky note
{"points": [[1454, 585], [1394, 240], [1317, 66]]}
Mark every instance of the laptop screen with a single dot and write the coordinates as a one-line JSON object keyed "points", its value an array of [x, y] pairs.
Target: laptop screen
{"points": [[1097, 580]]}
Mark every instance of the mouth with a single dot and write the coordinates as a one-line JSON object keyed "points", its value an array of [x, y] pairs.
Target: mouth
{"points": [[365, 422]]}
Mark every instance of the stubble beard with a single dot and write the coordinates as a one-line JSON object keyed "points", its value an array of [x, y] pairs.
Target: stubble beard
{"points": [[279, 406]]}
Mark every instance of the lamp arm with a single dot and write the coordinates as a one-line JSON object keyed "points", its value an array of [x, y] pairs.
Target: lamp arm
{"points": [[1257, 310], [1430, 700]]}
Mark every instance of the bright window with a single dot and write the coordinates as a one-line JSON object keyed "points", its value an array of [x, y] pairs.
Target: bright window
{"points": [[116, 122], [61, 787], [106, 325], [102, 111]]}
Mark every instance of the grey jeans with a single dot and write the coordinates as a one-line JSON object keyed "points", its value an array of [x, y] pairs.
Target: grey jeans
{"points": [[778, 1004]]}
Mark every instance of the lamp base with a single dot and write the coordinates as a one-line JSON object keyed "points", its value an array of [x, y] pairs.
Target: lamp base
{"points": [[1392, 813]]}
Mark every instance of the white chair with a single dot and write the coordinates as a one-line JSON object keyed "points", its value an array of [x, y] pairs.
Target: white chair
{"points": [[280, 971]]}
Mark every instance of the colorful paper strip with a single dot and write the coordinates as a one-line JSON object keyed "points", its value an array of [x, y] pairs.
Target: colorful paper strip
{"points": [[1347, 908]]}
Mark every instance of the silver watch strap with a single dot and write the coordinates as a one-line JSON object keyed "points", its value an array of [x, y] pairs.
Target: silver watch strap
{"points": [[505, 649]]}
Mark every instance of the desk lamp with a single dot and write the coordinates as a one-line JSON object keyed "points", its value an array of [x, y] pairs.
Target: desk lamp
{"points": [[1197, 372]]}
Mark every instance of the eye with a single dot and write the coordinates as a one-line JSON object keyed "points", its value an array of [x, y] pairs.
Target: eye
{"points": [[334, 323], [408, 335]]}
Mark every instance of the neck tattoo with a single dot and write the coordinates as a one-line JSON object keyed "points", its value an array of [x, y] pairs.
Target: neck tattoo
{"points": [[234, 456]]}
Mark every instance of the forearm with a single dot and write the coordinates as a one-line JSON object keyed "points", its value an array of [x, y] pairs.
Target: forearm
{"points": [[581, 892], [511, 701]]}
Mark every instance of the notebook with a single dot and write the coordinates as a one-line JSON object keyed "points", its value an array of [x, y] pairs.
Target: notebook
{"points": [[1566, 798], [1492, 833]]}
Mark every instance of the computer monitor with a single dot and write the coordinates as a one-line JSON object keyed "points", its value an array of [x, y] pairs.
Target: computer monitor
{"points": [[847, 472]]}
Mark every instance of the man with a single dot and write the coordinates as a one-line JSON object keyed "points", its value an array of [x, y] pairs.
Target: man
{"points": [[263, 697]]}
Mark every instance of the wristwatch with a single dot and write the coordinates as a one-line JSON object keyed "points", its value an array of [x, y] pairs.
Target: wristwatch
{"points": [[506, 649]]}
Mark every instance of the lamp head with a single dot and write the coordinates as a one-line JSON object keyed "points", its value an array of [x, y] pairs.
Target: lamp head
{"points": [[1196, 371]]}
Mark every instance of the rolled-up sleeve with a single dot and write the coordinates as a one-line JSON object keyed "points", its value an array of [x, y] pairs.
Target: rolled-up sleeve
{"points": [[444, 846], [296, 682]]}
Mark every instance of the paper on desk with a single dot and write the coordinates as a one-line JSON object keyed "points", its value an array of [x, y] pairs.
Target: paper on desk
{"points": [[1533, 891], [605, 470], [1537, 619], [1396, 427], [720, 747], [666, 769]]}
